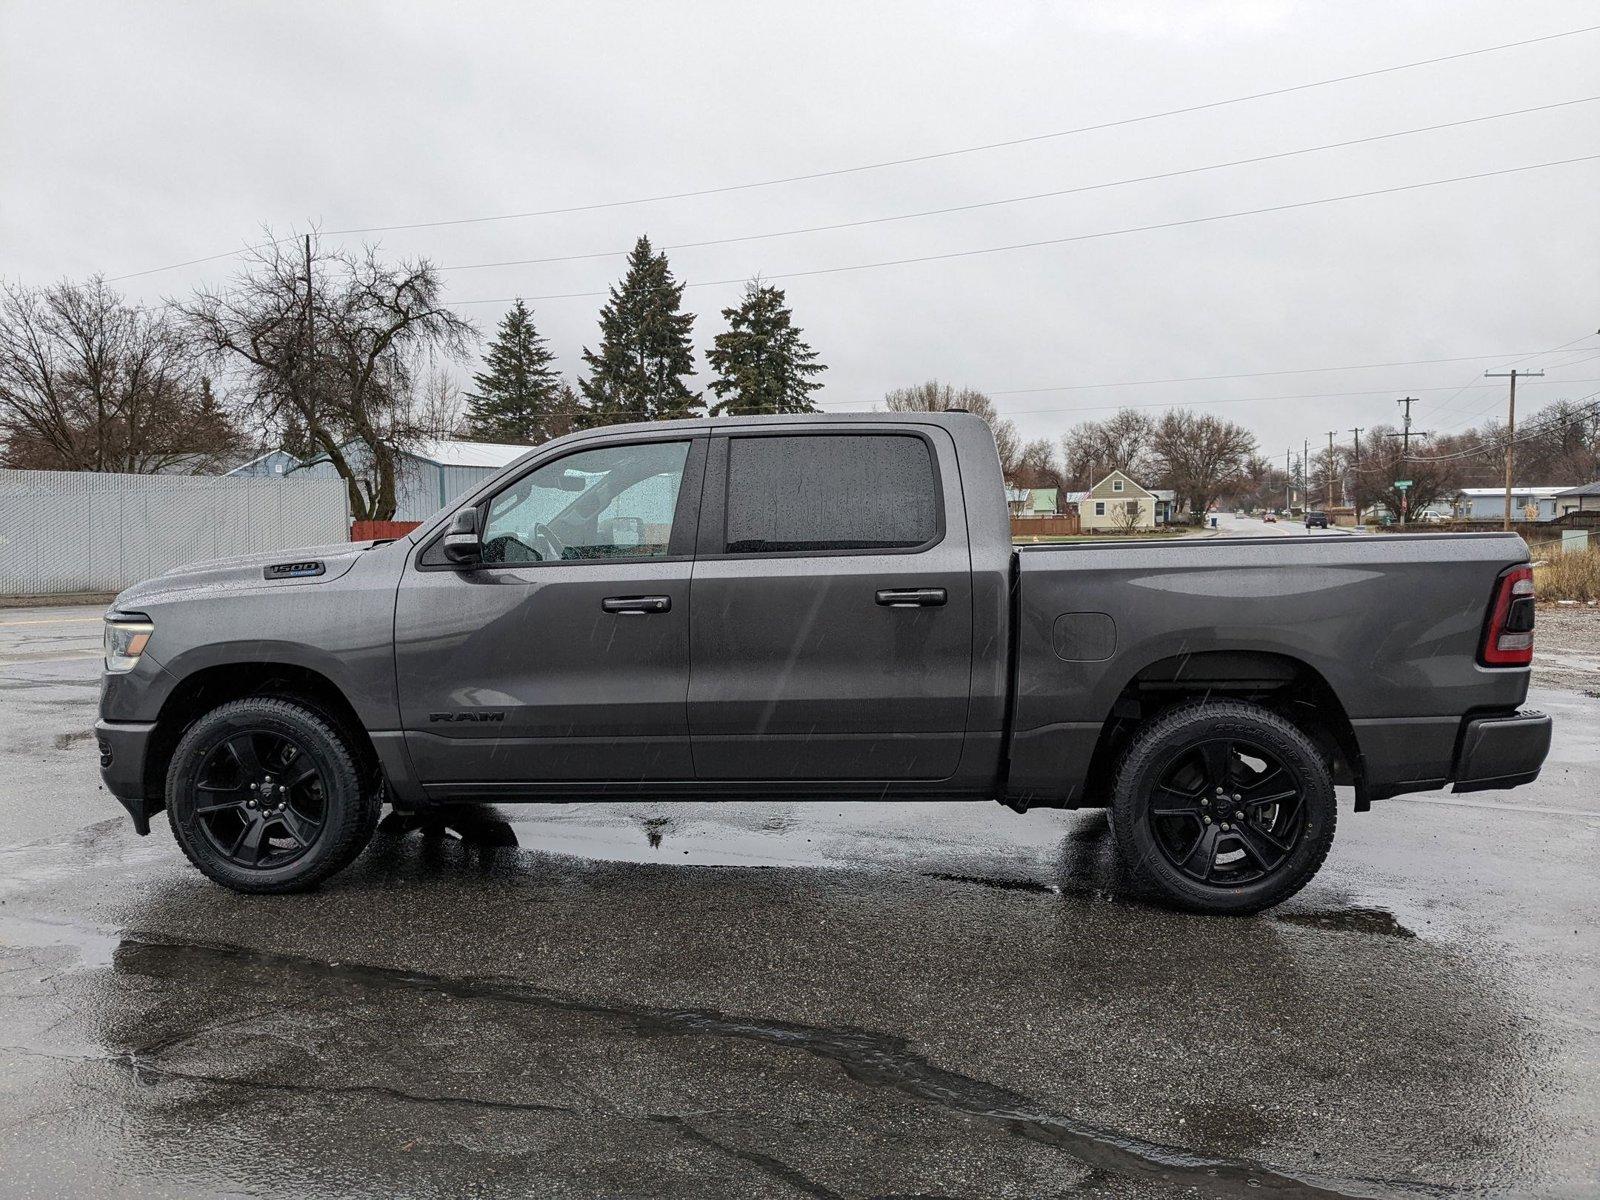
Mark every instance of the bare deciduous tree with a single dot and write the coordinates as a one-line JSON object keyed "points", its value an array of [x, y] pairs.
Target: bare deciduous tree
{"points": [[934, 396], [1384, 462], [333, 353], [89, 382], [1094, 449], [1199, 456], [1037, 466]]}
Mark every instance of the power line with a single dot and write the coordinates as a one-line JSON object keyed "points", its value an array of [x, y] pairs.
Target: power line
{"points": [[981, 204], [904, 161], [1538, 428], [1059, 241], [1412, 362], [1020, 412], [1478, 412], [1517, 361]]}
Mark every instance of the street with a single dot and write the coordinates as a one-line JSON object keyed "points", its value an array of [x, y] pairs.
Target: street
{"points": [[1232, 525], [684, 999]]}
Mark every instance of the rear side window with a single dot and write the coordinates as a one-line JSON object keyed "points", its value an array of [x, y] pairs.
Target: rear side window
{"points": [[807, 493]]}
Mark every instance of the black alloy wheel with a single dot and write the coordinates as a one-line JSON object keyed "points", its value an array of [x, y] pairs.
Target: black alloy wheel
{"points": [[1227, 812], [261, 799], [269, 794], [1223, 806]]}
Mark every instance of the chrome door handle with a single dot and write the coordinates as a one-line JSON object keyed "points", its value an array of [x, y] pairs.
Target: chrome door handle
{"points": [[911, 597], [638, 606]]}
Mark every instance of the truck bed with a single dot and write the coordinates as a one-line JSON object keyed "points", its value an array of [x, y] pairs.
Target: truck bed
{"points": [[1388, 624]]}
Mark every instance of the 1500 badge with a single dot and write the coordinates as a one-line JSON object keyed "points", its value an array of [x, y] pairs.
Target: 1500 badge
{"points": [[486, 715]]}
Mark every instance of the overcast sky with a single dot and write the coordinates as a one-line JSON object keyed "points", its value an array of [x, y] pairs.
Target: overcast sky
{"points": [[134, 135]]}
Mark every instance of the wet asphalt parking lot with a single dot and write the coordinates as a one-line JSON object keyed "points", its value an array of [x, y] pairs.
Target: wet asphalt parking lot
{"points": [[670, 999]]}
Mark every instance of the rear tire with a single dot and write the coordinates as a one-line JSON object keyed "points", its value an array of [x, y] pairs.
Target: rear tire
{"points": [[265, 795], [1223, 807]]}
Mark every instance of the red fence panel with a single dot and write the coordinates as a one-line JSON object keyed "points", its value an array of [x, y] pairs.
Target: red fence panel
{"points": [[381, 531]]}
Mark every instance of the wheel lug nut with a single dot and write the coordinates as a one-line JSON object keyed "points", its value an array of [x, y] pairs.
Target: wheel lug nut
{"points": [[1207, 820]]}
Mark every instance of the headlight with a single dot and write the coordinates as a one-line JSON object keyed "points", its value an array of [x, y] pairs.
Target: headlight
{"points": [[125, 642]]}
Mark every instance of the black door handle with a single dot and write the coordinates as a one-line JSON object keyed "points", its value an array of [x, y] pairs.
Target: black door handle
{"points": [[911, 597], [636, 605]]}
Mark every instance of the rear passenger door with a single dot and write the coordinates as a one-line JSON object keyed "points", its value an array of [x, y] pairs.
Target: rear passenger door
{"points": [[831, 614]]}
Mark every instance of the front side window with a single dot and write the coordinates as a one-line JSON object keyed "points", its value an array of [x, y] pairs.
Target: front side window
{"points": [[817, 492], [1099, 508], [1116, 485], [615, 502]]}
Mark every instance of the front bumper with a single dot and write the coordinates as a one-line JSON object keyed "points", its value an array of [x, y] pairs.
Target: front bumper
{"points": [[123, 747], [1501, 752]]}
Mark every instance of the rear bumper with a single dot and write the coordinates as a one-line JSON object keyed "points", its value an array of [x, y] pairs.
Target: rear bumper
{"points": [[1501, 752], [123, 746]]}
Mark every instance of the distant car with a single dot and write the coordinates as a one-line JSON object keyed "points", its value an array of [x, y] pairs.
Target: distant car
{"points": [[1270, 519], [1316, 520]]}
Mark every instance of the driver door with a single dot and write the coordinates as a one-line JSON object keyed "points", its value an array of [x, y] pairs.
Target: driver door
{"points": [[564, 655]]}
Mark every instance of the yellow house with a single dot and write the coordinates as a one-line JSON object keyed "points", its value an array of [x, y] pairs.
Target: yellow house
{"points": [[1117, 505]]}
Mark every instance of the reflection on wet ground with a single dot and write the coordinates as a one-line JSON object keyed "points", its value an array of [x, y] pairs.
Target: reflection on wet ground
{"points": [[1351, 920], [677, 999]]}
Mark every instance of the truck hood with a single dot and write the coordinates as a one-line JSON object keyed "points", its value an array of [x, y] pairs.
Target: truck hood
{"points": [[305, 566]]}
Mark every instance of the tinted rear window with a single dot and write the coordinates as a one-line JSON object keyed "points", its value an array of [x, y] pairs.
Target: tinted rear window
{"points": [[789, 495]]}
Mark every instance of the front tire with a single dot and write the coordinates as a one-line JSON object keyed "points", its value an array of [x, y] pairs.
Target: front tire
{"points": [[1223, 807], [264, 794]]}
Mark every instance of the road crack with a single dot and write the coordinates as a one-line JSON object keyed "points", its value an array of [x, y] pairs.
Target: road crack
{"points": [[874, 1060]]}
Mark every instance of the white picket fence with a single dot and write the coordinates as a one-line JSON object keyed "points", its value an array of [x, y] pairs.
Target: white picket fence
{"points": [[63, 532]]}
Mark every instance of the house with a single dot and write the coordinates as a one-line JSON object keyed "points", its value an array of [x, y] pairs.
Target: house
{"points": [[1117, 505], [1039, 502], [1527, 503], [1166, 505], [1579, 499], [431, 474]]}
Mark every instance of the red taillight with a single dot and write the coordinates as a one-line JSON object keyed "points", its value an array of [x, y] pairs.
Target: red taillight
{"points": [[1508, 635]]}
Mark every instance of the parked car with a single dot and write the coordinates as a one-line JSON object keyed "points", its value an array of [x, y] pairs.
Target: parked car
{"points": [[817, 607], [1316, 520]]}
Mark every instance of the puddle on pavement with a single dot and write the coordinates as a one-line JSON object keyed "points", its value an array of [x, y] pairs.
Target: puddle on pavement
{"points": [[1002, 885], [1350, 920], [869, 834]]}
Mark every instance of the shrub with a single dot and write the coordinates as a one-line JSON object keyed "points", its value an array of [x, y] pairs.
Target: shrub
{"points": [[1574, 576]]}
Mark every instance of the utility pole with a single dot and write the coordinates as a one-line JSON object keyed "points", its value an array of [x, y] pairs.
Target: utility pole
{"points": [[1305, 474], [1288, 481], [1405, 453], [1356, 471], [1330, 468], [1511, 426]]}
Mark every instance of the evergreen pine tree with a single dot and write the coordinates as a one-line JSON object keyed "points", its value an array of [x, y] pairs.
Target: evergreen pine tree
{"points": [[519, 392], [645, 350], [762, 364]]}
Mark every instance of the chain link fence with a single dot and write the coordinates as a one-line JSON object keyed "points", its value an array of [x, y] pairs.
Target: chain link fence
{"points": [[63, 532]]}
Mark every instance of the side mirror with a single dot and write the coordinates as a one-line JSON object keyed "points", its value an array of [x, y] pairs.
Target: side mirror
{"points": [[461, 544]]}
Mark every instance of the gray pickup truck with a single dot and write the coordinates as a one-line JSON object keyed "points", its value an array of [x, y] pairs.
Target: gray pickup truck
{"points": [[819, 606]]}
